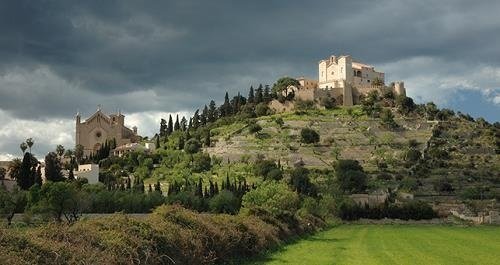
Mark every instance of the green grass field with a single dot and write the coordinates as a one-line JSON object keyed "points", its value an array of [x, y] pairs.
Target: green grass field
{"points": [[393, 244]]}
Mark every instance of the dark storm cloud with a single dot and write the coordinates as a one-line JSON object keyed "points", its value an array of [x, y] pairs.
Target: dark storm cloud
{"points": [[163, 55]]}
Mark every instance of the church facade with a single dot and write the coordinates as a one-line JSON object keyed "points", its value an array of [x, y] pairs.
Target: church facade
{"points": [[94, 131]]}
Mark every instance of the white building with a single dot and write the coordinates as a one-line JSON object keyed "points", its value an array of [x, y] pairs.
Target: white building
{"points": [[89, 172]]}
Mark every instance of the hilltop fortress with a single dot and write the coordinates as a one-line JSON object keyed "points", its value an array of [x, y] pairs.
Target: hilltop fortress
{"points": [[345, 80]]}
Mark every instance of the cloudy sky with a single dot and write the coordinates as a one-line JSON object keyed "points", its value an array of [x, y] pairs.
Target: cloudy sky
{"points": [[151, 58]]}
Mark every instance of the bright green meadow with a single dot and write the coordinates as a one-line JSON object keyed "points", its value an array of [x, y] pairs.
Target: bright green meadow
{"points": [[393, 244]]}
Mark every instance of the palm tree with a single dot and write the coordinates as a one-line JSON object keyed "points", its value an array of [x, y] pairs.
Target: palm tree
{"points": [[60, 150], [15, 168], [30, 143], [23, 147]]}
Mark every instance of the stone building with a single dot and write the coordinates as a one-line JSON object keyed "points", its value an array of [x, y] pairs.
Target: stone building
{"points": [[344, 80], [94, 131]]}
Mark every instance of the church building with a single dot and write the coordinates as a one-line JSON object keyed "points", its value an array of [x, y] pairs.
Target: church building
{"points": [[94, 131]]}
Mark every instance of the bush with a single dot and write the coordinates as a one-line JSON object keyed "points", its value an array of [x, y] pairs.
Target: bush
{"points": [[262, 109], [254, 128], [224, 202], [304, 105], [414, 210], [309, 136], [327, 102], [300, 182], [350, 176], [201, 162], [273, 197]]}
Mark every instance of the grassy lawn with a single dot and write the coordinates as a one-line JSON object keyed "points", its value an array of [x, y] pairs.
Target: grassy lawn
{"points": [[393, 244]]}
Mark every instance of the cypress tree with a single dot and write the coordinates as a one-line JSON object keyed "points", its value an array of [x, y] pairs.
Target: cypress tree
{"points": [[177, 124], [157, 141], [26, 178], [181, 142], [170, 127], [251, 96], [38, 176], [158, 187], [226, 107], [212, 188], [199, 188], [150, 189]]}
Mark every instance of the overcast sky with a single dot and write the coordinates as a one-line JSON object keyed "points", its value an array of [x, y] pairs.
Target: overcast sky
{"points": [[151, 58]]}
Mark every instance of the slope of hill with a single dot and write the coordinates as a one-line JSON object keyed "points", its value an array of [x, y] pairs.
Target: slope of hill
{"points": [[457, 156]]}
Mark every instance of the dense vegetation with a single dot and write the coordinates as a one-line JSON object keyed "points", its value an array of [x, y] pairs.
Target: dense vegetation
{"points": [[222, 206]]}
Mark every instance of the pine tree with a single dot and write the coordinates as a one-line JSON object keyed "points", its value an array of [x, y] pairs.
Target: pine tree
{"points": [[212, 112], [177, 124], [183, 124], [53, 167], [204, 116], [163, 127], [259, 97], [267, 94], [251, 96], [170, 127], [196, 119]]}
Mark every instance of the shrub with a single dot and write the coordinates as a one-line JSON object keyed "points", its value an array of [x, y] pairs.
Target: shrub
{"points": [[273, 197], [300, 182], [309, 136], [350, 176], [254, 128], [327, 102], [414, 210], [201, 162], [304, 105], [224, 202], [192, 146], [261, 109]]}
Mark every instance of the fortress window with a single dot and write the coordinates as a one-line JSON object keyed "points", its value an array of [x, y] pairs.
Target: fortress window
{"points": [[333, 73], [368, 81]]}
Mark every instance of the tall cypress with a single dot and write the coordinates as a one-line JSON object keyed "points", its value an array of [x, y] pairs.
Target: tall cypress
{"points": [[177, 125], [170, 127]]}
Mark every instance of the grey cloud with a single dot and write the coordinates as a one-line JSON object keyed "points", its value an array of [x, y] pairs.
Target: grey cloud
{"points": [[165, 56]]}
